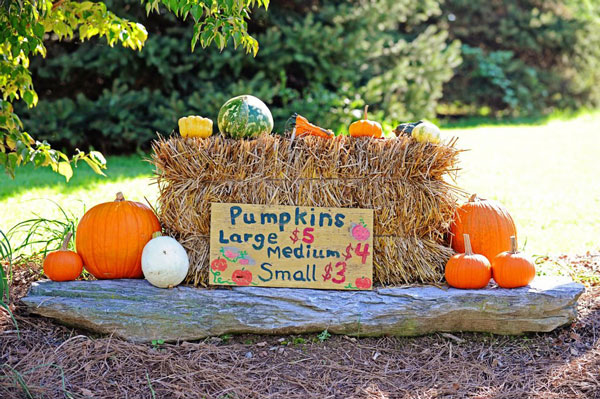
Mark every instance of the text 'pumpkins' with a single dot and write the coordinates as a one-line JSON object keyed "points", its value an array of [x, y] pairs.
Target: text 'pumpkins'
{"points": [[111, 236], [489, 224]]}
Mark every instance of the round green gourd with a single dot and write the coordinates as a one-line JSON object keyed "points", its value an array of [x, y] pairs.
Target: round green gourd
{"points": [[245, 117]]}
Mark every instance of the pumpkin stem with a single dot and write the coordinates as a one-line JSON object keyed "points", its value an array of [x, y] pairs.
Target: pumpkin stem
{"points": [[513, 245], [156, 234], [65, 243], [120, 197], [473, 197], [468, 248], [366, 108]]}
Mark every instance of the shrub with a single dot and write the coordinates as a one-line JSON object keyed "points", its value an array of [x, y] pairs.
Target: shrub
{"points": [[524, 56], [325, 60], [322, 60]]}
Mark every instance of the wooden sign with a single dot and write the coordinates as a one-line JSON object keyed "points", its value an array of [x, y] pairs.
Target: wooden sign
{"points": [[291, 246]]}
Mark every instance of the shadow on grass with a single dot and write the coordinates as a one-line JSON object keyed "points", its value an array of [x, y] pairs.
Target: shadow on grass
{"points": [[119, 168]]}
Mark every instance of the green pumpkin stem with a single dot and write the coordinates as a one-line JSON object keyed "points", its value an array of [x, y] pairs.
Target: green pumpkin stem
{"points": [[366, 108], [156, 234], [120, 197], [468, 248], [513, 245], [65, 244]]}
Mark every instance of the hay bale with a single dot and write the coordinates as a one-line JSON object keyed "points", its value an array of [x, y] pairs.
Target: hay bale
{"points": [[403, 181]]}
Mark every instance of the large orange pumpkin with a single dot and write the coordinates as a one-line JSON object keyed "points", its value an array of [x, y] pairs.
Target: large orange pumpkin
{"points": [[112, 235], [468, 270], [512, 269], [63, 265], [489, 224]]}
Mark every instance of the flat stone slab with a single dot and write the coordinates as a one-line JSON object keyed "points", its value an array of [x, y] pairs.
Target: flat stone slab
{"points": [[137, 311]]}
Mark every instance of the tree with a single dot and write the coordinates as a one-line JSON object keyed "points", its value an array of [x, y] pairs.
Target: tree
{"points": [[24, 24]]}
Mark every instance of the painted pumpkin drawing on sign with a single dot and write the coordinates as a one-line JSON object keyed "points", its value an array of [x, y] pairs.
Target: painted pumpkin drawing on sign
{"points": [[219, 265], [360, 231], [242, 277], [363, 283]]}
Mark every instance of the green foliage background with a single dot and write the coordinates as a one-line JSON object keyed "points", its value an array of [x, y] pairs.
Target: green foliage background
{"points": [[408, 59], [525, 56]]}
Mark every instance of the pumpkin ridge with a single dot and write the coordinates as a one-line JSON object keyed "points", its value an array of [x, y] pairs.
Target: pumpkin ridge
{"points": [[101, 265], [136, 250], [86, 242], [147, 226], [138, 246], [498, 224], [91, 219], [124, 219]]}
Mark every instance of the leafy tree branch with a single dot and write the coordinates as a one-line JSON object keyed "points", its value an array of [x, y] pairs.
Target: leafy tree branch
{"points": [[25, 24]]}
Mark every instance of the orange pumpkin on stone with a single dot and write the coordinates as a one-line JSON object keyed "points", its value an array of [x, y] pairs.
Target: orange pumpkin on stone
{"points": [[488, 222], [63, 265], [512, 269], [112, 235], [468, 270], [365, 127]]}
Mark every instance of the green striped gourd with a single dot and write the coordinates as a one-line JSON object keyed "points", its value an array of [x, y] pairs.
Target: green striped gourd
{"points": [[245, 117]]}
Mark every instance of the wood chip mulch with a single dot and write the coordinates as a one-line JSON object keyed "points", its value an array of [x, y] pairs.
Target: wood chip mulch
{"points": [[46, 360]]}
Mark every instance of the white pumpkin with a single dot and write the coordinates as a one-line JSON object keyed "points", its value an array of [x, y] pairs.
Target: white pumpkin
{"points": [[427, 132], [164, 262]]}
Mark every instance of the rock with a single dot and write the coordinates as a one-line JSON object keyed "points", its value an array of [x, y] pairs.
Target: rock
{"points": [[135, 310]]}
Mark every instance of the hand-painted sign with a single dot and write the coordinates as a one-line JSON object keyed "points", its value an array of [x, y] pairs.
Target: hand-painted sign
{"points": [[291, 246]]}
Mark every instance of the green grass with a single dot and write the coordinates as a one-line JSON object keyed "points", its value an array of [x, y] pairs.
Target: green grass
{"points": [[546, 174], [34, 190]]}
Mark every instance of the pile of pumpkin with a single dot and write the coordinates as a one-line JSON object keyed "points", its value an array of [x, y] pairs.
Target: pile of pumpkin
{"points": [[120, 239], [485, 237], [246, 116]]}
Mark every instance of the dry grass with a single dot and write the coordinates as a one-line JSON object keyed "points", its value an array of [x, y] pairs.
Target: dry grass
{"points": [[403, 181], [52, 361]]}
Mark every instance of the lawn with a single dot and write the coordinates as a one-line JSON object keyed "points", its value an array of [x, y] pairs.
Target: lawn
{"points": [[545, 174]]}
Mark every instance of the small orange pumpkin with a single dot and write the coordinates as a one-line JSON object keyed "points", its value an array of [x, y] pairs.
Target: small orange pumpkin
{"points": [[63, 265], [112, 235], [488, 222], [512, 269], [468, 270], [365, 127]]}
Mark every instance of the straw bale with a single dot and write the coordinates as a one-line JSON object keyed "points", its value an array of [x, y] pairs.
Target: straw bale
{"points": [[404, 182]]}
